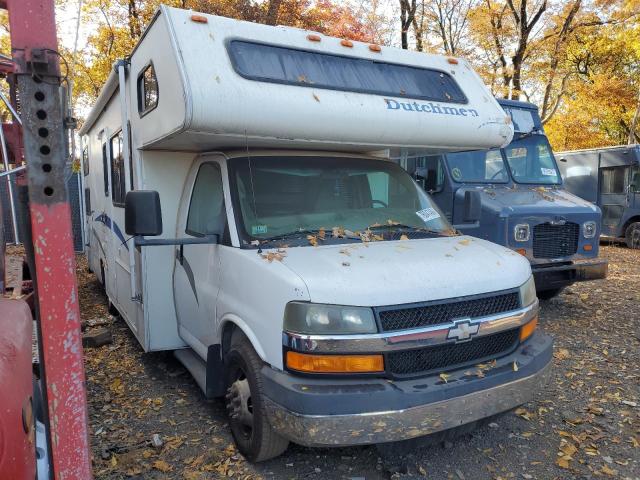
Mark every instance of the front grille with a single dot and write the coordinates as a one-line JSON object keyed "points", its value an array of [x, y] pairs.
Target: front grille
{"points": [[555, 241], [435, 313], [451, 356]]}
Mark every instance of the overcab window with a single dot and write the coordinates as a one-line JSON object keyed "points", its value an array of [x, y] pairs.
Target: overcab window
{"points": [[269, 63], [147, 90]]}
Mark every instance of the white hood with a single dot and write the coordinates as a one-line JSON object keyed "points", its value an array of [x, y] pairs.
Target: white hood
{"points": [[406, 271]]}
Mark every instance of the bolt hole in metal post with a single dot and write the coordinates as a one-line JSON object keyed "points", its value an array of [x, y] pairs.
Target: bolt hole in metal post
{"points": [[39, 96], [41, 114], [48, 191], [45, 150], [46, 167], [43, 132]]}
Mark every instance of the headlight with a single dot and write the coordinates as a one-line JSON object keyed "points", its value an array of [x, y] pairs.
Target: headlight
{"points": [[589, 229], [314, 318], [528, 292], [521, 232]]}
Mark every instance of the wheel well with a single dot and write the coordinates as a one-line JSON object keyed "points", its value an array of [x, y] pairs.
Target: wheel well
{"points": [[228, 331], [629, 222]]}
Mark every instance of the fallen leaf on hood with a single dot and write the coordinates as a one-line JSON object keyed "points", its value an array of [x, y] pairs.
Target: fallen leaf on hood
{"points": [[337, 232], [313, 240], [404, 237], [346, 252], [321, 234], [277, 255], [464, 241], [515, 366], [444, 377], [392, 222]]}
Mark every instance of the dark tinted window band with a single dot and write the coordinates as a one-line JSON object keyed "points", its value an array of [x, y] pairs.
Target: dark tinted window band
{"points": [[257, 61]]}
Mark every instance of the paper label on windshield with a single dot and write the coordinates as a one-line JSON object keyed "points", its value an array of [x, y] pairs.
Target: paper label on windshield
{"points": [[258, 229], [548, 172], [428, 214]]}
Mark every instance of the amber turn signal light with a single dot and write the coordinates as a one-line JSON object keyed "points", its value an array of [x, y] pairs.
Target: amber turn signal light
{"points": [[588, 248], [528, 328], [313, 38], [346, 43], [521, 251], [335, 363]]}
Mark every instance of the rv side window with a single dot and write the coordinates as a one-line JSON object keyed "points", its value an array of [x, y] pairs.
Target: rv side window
{"points": [[87, 202], [118, 188], [269, 63], [105, 169], [147, 90], [614, 179], [206, 211], [85, 160]]}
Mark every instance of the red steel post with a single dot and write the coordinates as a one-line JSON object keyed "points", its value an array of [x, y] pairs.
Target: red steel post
{"points": [[35, 52]]}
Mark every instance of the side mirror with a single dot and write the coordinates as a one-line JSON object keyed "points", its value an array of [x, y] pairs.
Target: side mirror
{"points": [[142, 213], [472, 206]]}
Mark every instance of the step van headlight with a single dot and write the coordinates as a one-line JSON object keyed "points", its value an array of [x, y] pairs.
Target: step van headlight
{"points": [[589, 229], [521, 232], [319, 319]]}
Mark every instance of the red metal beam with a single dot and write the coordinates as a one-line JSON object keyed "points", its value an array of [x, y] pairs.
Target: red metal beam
{"points": [[34, 48]]}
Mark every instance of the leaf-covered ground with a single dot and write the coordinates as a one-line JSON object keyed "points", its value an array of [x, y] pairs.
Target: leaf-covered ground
{"points": [[584, 424]]}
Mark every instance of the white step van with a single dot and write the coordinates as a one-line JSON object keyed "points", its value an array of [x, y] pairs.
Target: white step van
{"points": [[292, 268]]}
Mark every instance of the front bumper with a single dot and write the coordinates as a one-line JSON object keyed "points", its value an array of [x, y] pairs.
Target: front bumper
{"points": [[558, 276], [335, 412]]}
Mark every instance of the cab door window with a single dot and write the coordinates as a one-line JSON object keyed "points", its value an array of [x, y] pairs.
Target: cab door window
{"points": [[614, 180], [430, 172], [206, 209]]}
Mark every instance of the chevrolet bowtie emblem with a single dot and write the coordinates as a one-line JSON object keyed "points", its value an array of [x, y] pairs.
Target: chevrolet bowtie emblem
{"points": [[463, 330]]}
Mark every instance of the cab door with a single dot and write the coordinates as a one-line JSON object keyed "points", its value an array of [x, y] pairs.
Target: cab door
{"points": [[614, 198], [197, 270]]}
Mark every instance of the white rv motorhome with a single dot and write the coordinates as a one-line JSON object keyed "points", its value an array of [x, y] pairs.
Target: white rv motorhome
{"points": [[292, 268]]}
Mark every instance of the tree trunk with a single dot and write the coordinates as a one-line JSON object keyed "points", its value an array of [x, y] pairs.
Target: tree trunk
{"points": [[633, 135], [272, 12], [134, 20], [407, 15]]}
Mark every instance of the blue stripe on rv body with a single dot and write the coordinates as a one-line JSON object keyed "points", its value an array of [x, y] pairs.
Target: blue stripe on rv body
{"points": [[106, 220]]}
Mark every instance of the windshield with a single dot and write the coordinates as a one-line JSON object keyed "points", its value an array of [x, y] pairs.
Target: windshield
{"points": [[531, 161], [485, 166], [278, 196]]}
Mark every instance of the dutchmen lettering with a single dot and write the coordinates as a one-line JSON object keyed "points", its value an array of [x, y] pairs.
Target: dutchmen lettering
{"points": [[429, 108]]}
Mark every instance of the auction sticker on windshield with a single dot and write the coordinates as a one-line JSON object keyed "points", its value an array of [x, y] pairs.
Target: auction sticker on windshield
{"points": [[428, 214], [548, 172]]}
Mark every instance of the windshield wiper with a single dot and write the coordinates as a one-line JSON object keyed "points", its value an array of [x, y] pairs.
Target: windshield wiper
{"points": [[293, 234], [400, 226]]}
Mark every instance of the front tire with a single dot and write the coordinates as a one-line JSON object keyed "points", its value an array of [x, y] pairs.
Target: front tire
{"points": [[251, 430], [632, 235]]}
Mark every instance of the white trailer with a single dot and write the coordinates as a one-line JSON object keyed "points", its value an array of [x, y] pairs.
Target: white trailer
{"points": [[296, 270]]}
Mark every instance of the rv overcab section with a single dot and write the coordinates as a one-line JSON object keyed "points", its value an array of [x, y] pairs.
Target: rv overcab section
{"points": [[297, 312], [523, 203], [610, 178]]}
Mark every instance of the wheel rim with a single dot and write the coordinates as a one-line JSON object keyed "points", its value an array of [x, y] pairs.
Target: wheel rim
{"points": [[635, 238], [240, 405]]}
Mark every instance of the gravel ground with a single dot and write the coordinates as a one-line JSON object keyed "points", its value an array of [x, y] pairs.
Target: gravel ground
{"points": [[584, 424]]}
